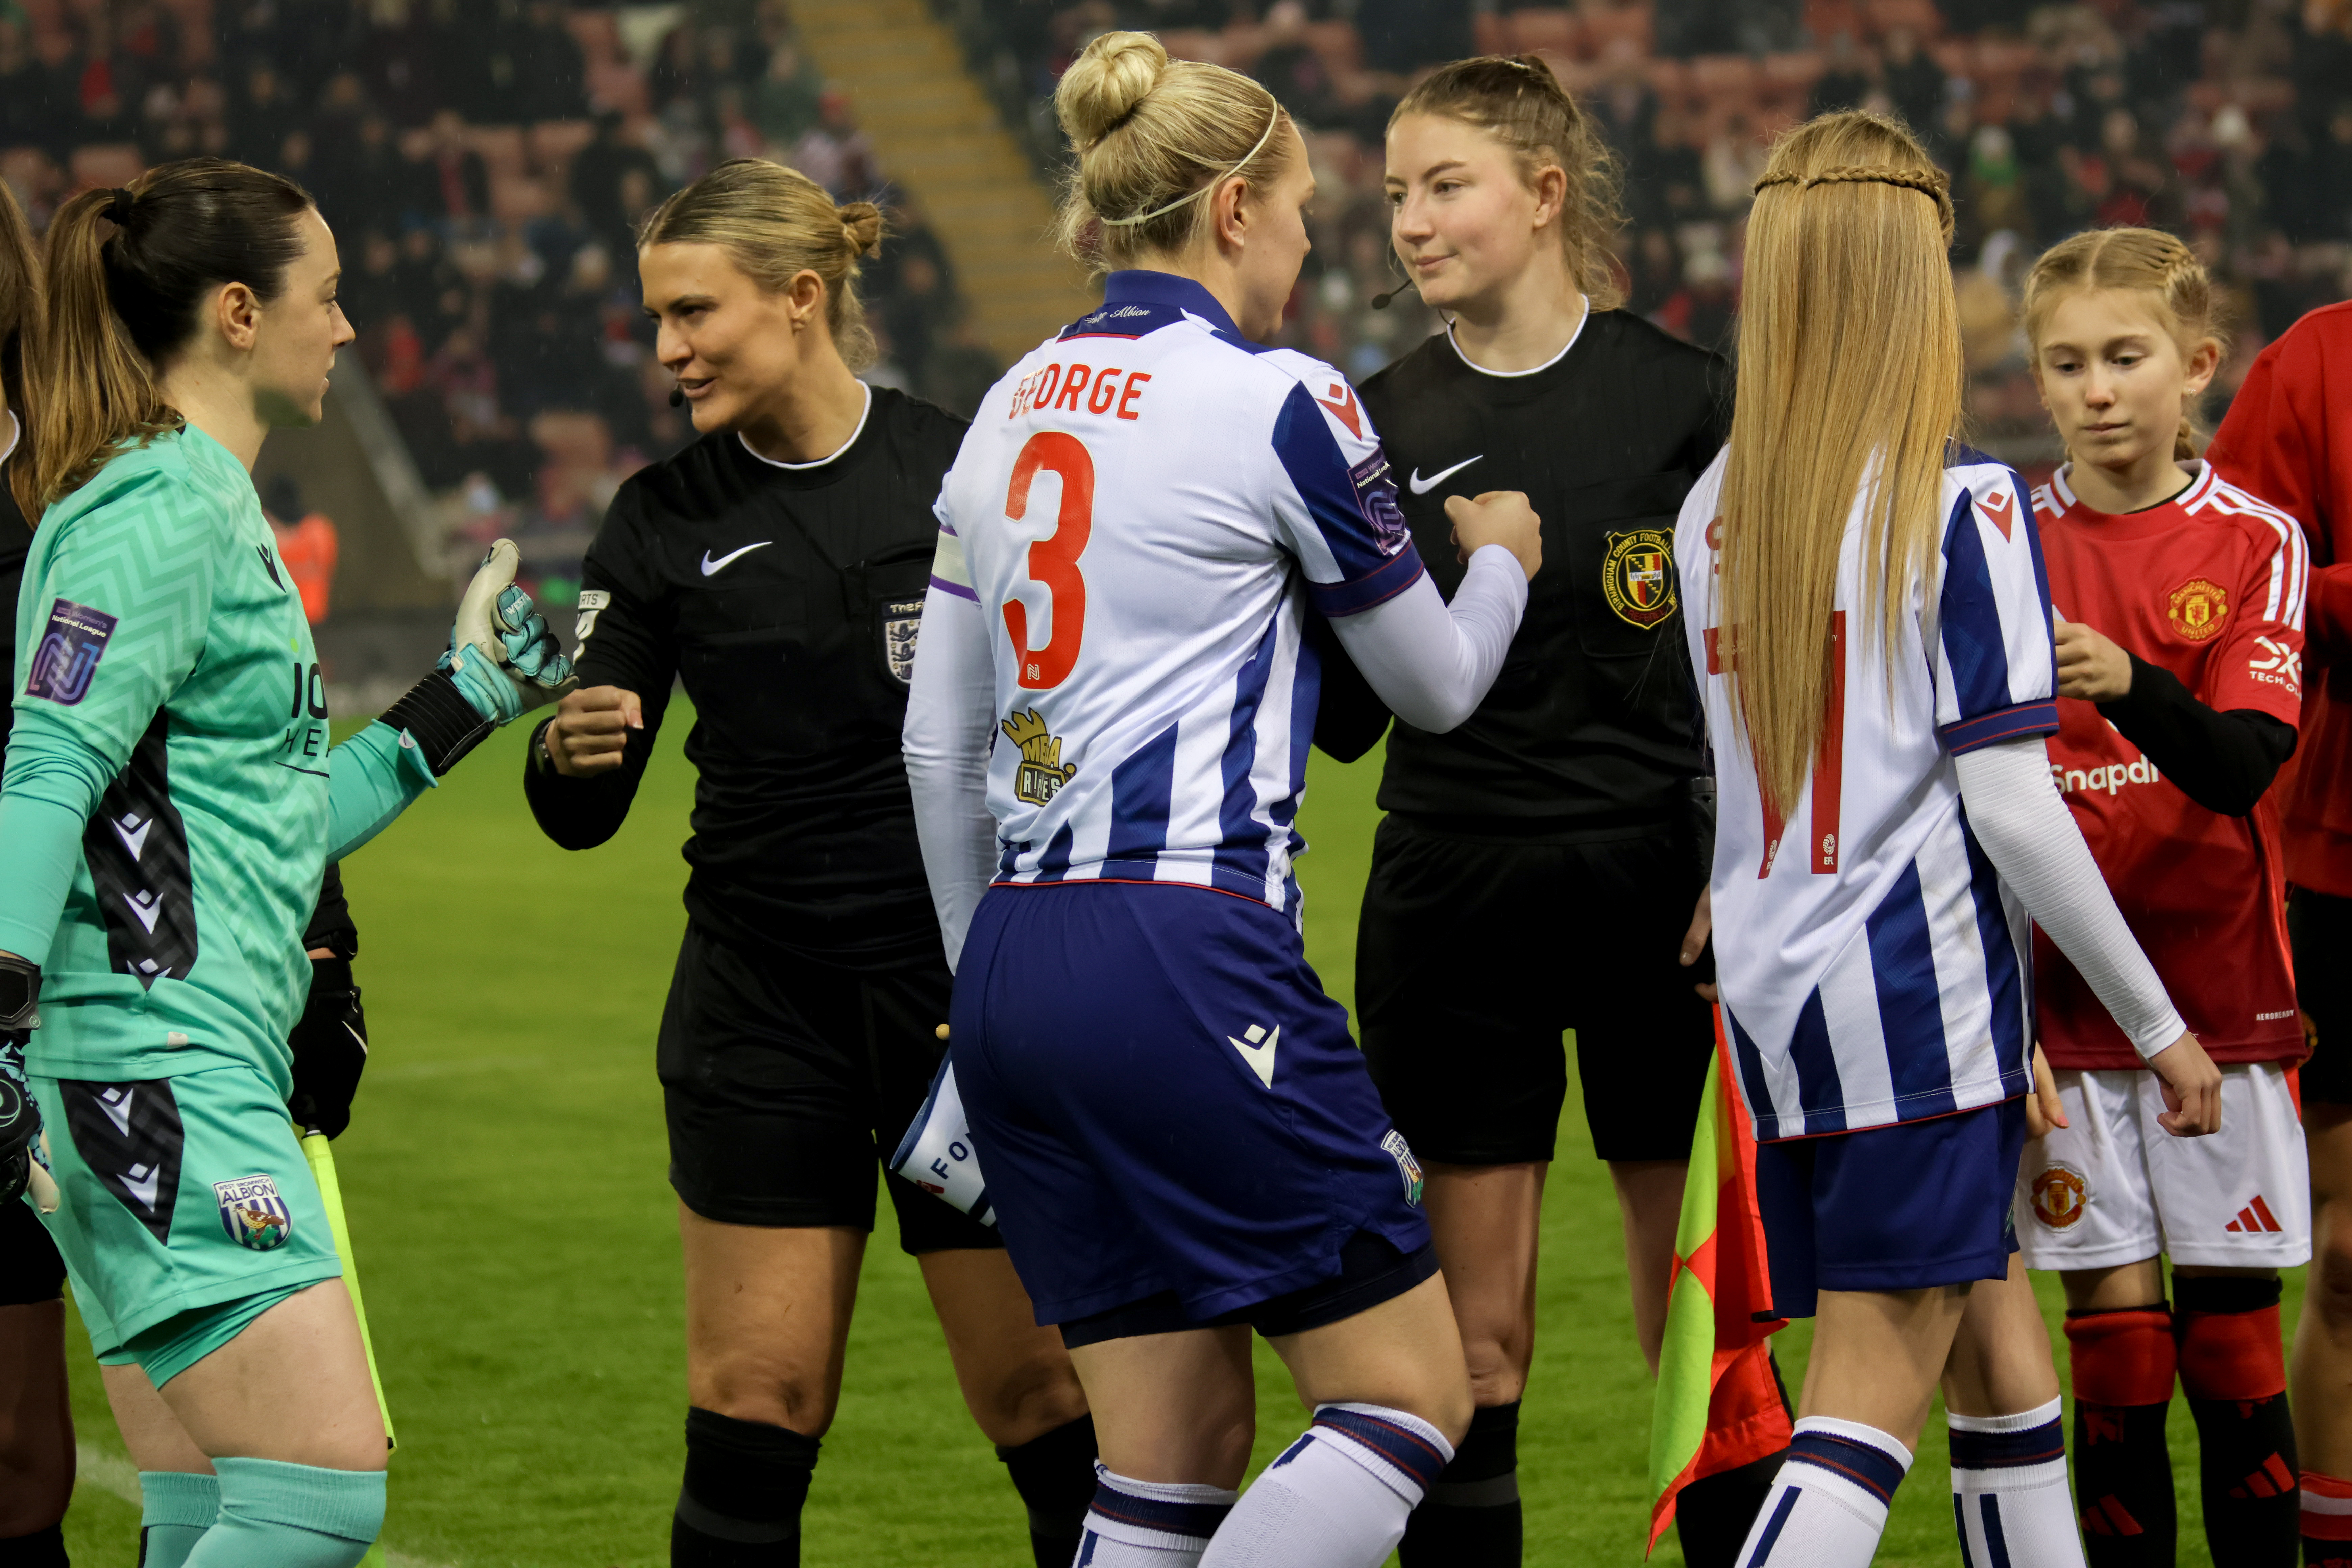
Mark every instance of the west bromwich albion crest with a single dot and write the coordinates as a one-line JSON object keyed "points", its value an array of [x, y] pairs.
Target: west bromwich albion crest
{"points": [[1637, 577], [253, 1213], [902, 625]]}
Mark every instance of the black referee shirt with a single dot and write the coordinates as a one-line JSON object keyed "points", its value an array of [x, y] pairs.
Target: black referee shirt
{"points": [[1593, 722], [786, 600]]}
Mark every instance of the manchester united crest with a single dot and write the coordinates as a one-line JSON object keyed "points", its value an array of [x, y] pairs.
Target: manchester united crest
{"points": [[2060, 1193], [253, 1213], [1042, 773], [1637, 577], [2198, 609]]}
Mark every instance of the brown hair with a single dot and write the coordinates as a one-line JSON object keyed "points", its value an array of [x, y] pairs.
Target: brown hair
{"points": [[1152, 134], [1518, 100], [1849, 374], [775, 223], [128, 272], [2154, 264], [20, 323]]}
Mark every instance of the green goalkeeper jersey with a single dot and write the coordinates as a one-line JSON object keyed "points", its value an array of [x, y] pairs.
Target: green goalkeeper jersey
{"points": [[170, 774]]}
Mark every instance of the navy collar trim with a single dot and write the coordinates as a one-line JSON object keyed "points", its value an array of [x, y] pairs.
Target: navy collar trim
{"points": [[1137, 287]]}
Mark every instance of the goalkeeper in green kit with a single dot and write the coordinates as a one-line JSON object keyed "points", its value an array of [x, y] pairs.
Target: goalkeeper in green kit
{"points": [[170, 799]]}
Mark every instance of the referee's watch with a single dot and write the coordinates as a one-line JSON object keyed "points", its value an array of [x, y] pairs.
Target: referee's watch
{"points": [[20, 994]]}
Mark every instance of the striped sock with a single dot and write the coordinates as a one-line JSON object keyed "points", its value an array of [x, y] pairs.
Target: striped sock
{"points": [[1338, 1496], [2009, 1492], [1149, 1524], [1827, 1506], [2327, 1520]]}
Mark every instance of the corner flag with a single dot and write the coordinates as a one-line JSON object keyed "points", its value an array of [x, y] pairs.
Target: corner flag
{"points": [[1718, 1404]]}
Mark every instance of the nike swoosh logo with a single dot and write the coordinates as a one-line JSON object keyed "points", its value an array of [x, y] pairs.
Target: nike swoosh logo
{"points": [[1260, 1057], [712, 568], [1422, 487]]}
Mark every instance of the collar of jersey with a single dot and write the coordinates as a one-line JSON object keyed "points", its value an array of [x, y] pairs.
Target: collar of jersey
{"points": [[1581, 323], [834, 456], [2165, 514], [1137, 287]]}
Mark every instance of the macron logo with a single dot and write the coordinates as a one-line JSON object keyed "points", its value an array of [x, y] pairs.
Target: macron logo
{"points": [[712, 568], [1256, 1048], [1340, 399], [2001, 511]]}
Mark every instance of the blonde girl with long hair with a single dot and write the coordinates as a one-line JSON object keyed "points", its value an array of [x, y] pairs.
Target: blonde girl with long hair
{"points": [[1867, 603], [2179, 673], [1108, 741]]}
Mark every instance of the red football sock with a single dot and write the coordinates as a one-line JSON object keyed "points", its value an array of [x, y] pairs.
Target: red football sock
{"points": [[2233, 1368], [2123, 1364]]}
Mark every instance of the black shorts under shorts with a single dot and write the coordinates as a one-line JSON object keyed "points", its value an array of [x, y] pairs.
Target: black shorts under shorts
{"points": [[1475, 955], [30, 1268], [2321, 927], [786, 1080]]}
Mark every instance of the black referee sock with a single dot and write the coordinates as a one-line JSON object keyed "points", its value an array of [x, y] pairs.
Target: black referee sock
{"points": [[1054, 1475], [741, 1505], [1471, 1517], [1713, 1515], [42, 1549]]}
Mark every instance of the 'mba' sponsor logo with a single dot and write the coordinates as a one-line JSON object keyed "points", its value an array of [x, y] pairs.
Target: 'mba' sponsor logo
{"points": [[2110, 779]]}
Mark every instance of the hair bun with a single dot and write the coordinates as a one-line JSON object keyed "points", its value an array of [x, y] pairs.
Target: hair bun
{"points": [[861, 223], [1107, 83]]}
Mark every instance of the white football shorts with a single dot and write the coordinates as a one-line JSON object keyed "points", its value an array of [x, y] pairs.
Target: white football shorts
{"points": [[2114, 1187]]}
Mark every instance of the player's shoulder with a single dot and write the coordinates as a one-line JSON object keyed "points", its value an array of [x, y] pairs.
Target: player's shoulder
{"points": [[924, 436], [2266, 528], [1985, 486], [165, 491], [1636, 342]]}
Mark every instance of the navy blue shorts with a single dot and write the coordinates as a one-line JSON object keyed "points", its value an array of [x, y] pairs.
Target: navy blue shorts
{"points": [[1905, 1207], [1164, 1100]]}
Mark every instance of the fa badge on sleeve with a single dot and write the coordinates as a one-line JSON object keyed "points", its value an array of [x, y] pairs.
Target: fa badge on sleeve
{"points": [[253, 1213]]}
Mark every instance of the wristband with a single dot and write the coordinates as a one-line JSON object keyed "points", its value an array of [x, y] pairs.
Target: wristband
{"points": [[20, 994], [440, 718]]}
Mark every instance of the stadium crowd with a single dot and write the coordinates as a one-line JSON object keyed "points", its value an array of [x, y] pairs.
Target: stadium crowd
{"points": [[2229, 124], [483, 167]]}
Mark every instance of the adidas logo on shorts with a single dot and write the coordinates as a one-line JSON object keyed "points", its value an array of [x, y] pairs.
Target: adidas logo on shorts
{"points": [[2255, 1218]]}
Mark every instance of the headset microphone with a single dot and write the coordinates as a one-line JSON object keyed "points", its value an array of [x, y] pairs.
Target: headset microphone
{"points": [[1381, 301], [677, 397]]}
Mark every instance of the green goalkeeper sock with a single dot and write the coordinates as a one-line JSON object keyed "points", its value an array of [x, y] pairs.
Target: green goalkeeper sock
{"points": [[277, 1515], [175, 1509]]}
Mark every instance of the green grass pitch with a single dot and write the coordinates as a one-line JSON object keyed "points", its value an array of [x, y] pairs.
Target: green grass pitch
{"points": [[516, 1239]]}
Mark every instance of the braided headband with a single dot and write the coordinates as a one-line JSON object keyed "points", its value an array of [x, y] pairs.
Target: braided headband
{"points": [[1273, 118], [1934, 186]]}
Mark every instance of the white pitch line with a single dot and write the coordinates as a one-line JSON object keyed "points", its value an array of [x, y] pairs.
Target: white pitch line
{"points": [[112, 1473]]}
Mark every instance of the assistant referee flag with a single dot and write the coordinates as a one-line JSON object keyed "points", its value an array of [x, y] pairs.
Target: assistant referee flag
{"points": [[1718, 1404]]}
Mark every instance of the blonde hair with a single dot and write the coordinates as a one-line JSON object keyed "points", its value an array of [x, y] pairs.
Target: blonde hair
{"points": [[775, 223], [1518, 100], [1849, 374], [2150, 262], [1152, 134], [20, 327]]}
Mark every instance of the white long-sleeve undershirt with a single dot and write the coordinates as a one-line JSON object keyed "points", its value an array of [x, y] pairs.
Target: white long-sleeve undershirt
{"points": [[2033, 841], [1430, 661]]}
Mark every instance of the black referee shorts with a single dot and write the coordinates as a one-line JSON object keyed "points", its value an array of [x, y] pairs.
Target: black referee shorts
{"points": [[786, 1080], [2321, 928], [30, 1268], [1475, 955]]}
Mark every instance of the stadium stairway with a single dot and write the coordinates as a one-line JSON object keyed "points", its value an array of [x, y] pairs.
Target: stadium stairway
{"points": [[938, 137]]}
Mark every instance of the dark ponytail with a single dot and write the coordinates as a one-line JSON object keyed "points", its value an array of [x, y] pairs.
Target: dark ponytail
{"points": [[129, 272], [20, 325]]}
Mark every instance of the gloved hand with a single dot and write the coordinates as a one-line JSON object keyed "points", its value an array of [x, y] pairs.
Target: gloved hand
{"points": [[501, 654], [330, 1049]]}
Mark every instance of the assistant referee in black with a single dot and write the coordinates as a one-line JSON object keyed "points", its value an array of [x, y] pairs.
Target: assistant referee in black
{"points": [[776, 569], [1541, 868]]}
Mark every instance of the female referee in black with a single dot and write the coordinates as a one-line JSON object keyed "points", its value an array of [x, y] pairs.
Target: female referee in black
{"points": [[777, 568], [1538, 867]]}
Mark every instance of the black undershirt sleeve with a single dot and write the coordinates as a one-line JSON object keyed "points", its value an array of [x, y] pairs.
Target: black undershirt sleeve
{"points": [[2224, 761], [1349, 716], [630, 647]]}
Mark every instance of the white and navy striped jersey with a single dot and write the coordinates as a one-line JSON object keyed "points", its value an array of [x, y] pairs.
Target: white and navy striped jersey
{"points": [[1872, 966], [1142, 509]]}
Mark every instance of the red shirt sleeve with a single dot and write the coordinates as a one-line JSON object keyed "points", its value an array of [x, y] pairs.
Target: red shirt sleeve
{"points": [[2258, 660], [2288, 439]]}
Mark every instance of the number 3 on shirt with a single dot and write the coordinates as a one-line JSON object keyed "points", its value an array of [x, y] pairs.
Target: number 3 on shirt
{"points": [[1054, 559]]}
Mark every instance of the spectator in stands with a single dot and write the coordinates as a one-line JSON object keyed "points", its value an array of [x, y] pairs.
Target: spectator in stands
{"points": [[835, 153], [610, 203], [1913, 82], [450, 175], [790, 96], [1402, 36], [1289, 68], [307, 543], [551, 75], [1845, 84]]}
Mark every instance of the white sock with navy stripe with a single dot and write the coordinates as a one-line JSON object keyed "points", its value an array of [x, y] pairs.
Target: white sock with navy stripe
{"points": [[1149, 1524], [2009, 1501], [1338, 1496], [1827, 1506]]}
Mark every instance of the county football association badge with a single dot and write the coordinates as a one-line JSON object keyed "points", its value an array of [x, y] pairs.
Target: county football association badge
{"points": [[253, 1213], [1041, 773], [2197, 609], [2060, 1196], [1637, 576]]}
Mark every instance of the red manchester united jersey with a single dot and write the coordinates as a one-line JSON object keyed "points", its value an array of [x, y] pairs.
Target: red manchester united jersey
{"points": [[2209, 586]]}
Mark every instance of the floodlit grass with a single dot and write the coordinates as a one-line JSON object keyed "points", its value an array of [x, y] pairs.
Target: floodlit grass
{"points": [[516, 1238]]}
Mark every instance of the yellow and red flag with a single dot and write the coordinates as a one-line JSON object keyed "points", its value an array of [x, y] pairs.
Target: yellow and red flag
{"points": [[1718, 1404]]}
